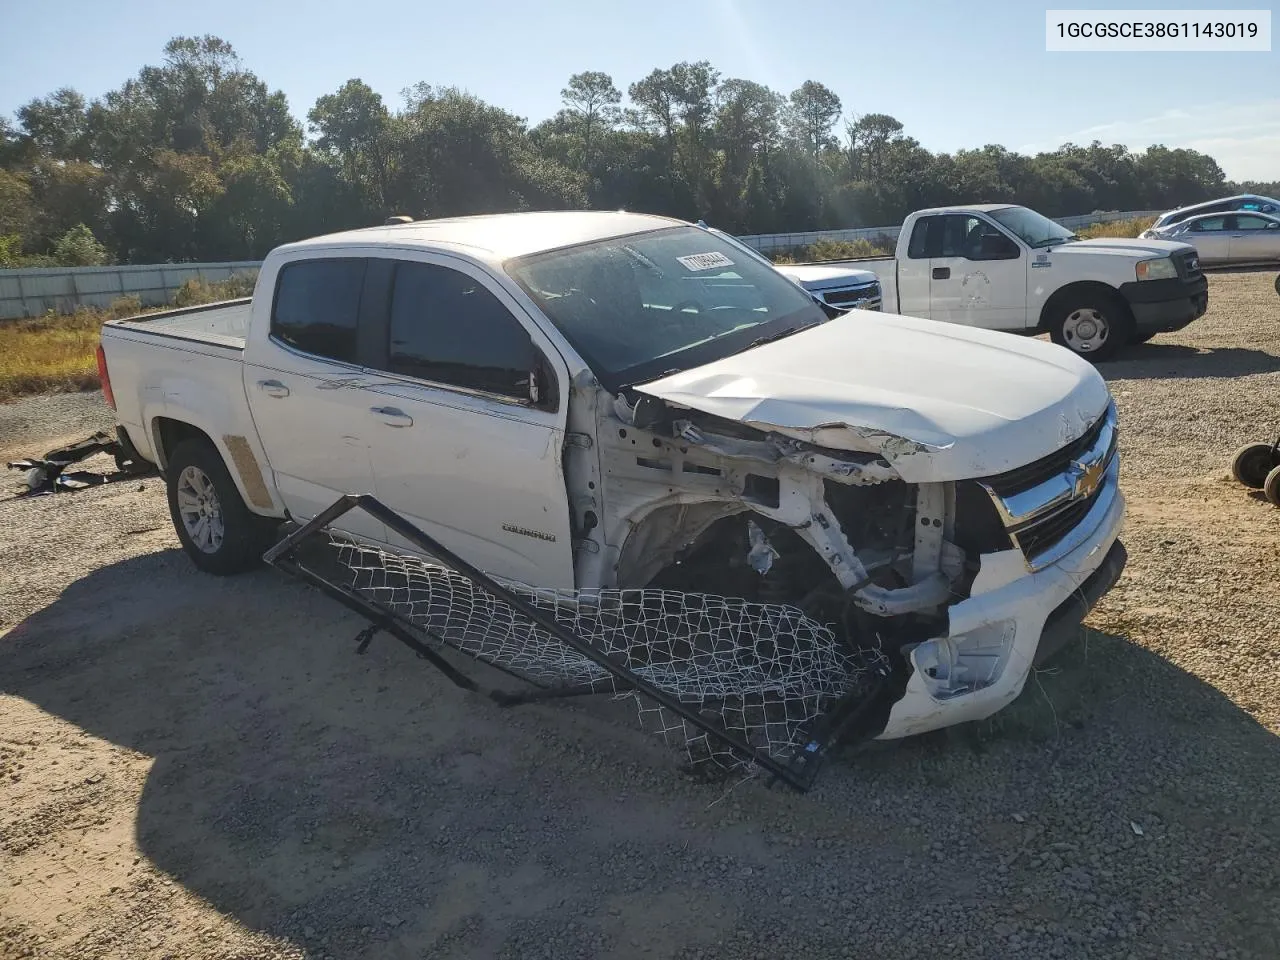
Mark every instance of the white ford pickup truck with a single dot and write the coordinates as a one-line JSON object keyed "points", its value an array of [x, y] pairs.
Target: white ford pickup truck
{"points": [[578, 400], [1004, 267]]}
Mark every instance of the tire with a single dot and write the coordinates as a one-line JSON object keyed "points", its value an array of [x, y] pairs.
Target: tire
{"points": [[1252, 462], [1271, 486], [232, 539], [1103, 318]]}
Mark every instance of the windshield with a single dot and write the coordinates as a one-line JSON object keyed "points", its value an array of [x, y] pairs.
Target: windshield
{"points": [[641, 306], [1030, 227]]}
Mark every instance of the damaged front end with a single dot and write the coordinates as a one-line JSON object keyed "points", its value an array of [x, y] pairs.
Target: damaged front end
{"points": [[700, 503]]}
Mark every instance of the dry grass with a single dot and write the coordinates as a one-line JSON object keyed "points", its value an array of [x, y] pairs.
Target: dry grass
{"points": [[1120, 228], [834, 250], [55, 353], [49, 354]]}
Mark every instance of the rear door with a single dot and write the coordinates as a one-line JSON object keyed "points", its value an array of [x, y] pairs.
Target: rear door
{"points": [[1254, 238], [304, 381], [977, 273], [468, 421]]}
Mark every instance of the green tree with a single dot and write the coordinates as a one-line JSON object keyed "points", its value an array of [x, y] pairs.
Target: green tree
{"points": [[18, 211], [79, 248], [812, 112], [868, 138], [58, 125], [357, 130], [591, 105]]}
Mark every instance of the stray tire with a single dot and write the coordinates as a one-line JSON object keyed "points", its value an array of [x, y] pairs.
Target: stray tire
{"points": [[1252, 462], [218, 532], [1271, 486], [1092, 325]]}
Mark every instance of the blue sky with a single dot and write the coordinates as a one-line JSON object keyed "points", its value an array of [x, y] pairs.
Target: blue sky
{"points": [[956, 75]]}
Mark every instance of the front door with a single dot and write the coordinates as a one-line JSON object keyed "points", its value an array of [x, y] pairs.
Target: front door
{"points": [[1254, 238], [978, 274], [1211, 236], [467, 428]]}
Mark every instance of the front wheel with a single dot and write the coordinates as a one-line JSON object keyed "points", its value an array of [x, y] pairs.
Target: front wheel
{"points": [[218, 532], [1093, 326]]}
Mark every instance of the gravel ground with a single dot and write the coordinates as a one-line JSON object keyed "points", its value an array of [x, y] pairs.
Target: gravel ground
{"points": [[199, 768], [34, 425]]}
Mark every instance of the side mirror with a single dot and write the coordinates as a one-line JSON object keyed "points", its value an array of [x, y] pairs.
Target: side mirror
{"points": [[541, 384]]}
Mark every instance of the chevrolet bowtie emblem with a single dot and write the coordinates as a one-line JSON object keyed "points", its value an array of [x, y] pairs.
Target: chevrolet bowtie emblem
{"points": [[1088, 477]]}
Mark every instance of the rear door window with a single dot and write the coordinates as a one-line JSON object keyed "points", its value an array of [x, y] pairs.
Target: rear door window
{"points": [[317, 307]]}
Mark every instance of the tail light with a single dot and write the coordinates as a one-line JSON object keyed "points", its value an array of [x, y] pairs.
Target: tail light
{"points": [[105, 378]]}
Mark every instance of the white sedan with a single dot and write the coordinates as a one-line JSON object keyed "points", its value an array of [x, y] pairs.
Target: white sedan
{"points": [[1222, 238]]}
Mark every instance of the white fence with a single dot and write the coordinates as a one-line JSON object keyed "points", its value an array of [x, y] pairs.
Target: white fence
{"points": [[768, 242], [30, 292]]}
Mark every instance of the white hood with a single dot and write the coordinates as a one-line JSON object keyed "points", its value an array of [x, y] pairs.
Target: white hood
{"points": [[939, 401], [816, 276], [1135, 248]]}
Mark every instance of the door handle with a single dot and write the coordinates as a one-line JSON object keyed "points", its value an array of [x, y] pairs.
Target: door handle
{"points": [[942, 273], [273, 388], [392, 416]]}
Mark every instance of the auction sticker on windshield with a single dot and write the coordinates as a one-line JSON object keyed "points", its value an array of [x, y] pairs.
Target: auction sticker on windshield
{"points": [[705, 261]]}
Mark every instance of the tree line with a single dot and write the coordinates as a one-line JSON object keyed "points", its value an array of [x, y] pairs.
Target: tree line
{"points": [[197, 159]]}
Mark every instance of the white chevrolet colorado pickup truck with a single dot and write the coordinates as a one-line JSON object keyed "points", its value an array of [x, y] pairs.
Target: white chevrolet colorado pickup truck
{"points": [[1008, 268], [586, 400]]}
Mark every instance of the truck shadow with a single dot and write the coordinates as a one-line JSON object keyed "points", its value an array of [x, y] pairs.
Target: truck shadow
{"points": [[364, 806], [1156, 360]]}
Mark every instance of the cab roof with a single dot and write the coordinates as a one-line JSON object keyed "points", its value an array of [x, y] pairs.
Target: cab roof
{"points": [[500, 236], [967, 208]]}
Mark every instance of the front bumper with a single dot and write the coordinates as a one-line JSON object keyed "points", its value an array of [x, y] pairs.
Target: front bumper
{"points": [[1011, 621], [1162, 306], [1063, 625]]}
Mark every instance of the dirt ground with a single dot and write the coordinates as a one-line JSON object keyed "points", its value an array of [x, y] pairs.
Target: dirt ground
{"points": [[203, 768]]}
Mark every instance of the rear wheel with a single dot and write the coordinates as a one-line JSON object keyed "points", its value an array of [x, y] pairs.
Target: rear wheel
{"points": [[1252, 462], [1092, 325], [217, 530]]}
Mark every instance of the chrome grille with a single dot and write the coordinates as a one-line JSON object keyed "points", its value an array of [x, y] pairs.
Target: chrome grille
{"points": [[864, 296], [1051, 506]]}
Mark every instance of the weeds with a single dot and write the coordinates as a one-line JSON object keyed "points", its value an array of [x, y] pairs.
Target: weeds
{"points": [[1118, 228], [55, 353]]}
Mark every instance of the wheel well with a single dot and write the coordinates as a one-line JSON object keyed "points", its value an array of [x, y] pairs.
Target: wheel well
{"points": [[168, 433], [1079, 289]]}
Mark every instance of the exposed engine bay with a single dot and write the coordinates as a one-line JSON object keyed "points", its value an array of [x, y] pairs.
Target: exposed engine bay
{"points": [[708, 505]]}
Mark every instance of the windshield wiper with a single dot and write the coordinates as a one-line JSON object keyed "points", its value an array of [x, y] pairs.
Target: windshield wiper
{"points": [[758, 341], [1050, 241]]}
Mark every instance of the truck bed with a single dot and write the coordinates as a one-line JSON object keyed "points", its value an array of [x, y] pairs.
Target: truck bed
{"points": [[224, 324]]}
